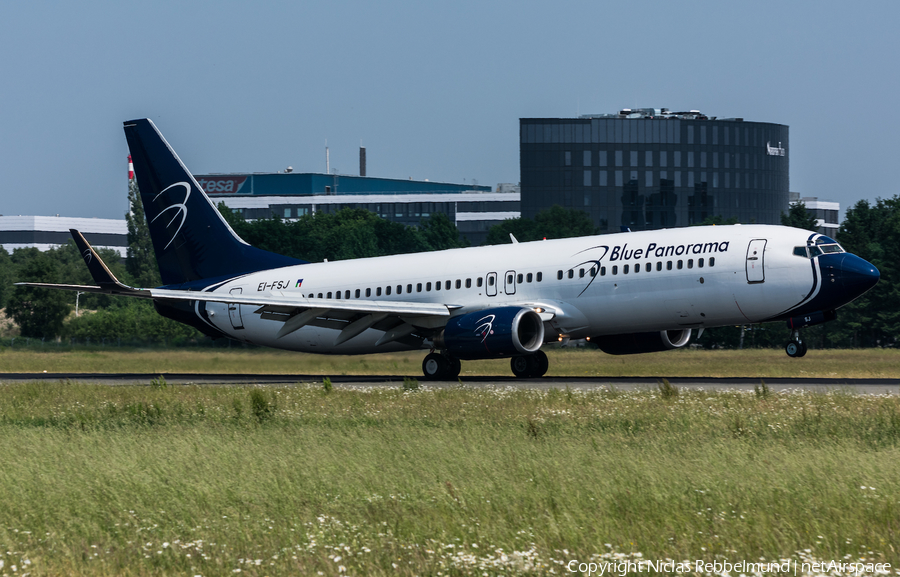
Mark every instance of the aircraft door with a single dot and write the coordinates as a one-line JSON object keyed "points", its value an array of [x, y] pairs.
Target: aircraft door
{"points": [[491, 282], [755, 261], [234, 311], [509, 284]]}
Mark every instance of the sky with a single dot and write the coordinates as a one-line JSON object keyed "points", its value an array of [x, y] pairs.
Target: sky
{"points": [[432, 90]]}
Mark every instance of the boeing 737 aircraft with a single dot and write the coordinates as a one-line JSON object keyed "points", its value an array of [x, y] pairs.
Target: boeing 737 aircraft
{"points": [[628, 293]]}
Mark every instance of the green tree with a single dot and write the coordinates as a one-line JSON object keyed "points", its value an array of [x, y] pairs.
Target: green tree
{"points": [[39, 312], [141, 263], [440, 233], [6, 277], [873, 233], [130, 320], [554, 222], [798, 217]]}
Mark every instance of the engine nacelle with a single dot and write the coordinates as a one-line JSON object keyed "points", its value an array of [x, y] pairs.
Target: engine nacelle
{"points": [[642, 342], [492, 333]]}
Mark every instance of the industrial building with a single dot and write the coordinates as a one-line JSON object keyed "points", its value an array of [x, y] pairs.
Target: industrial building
{"points": [[46, 232], [651, 168], [825, 212], [472, 208]]}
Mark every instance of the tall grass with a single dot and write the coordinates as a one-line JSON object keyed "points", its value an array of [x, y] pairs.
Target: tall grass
{"points": [[296, 480]]}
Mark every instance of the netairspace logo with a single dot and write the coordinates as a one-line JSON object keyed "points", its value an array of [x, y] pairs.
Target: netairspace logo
{"points": [[622, 565]]}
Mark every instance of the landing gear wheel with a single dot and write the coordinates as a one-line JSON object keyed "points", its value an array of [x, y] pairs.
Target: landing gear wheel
{"points": [[521, 367], [795, 349], [453, 368], [541, 363], [435, 366], [529, 366]]}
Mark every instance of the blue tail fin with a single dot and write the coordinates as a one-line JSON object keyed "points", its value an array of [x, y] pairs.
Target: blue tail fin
{"points": [[191, 239]]}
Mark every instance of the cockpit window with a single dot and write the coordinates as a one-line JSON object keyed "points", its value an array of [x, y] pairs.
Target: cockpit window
{"points": [[823, 245], [800, 251]]}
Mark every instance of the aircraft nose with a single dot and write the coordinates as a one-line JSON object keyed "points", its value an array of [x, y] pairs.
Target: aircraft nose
{"points": [[856, 275]]}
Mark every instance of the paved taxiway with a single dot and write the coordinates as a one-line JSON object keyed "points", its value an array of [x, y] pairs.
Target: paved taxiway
{"points": [[859, 386]]}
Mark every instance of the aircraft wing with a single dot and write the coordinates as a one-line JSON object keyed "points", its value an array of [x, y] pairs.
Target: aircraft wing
{"points": [[397, 318]]}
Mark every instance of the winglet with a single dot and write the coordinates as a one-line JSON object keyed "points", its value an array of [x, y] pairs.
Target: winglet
{"points": [[98, 269]]}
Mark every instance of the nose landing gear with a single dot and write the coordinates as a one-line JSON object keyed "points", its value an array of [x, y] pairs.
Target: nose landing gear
{"points": [[795, 348]]}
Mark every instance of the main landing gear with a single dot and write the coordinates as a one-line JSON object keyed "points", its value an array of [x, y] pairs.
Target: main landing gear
{"points": [[530, 366], [795, 347], [437, 366]]}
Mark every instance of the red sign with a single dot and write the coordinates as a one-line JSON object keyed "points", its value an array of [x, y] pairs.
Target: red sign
{"points": [[222, 184]]}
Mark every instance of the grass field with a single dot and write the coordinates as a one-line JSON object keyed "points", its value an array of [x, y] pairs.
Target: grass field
{"points": [[159, 480], [763, 363]]}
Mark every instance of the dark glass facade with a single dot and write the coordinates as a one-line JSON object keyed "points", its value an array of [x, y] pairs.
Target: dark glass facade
{"points": [[649, 173]]}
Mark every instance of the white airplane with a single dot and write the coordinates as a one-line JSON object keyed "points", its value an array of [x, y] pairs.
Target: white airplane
{"points": [[627, 293]]}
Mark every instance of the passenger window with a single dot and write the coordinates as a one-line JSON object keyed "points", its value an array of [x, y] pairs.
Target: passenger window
{"points": [[602, 271], [320, 295], [680, 264], [669, 265], [312, 295], [581, 273], [571, 273], [529, 277], [408, 288], [387, 290], [712, 261], [648, 268], [559, 275], [399, 289], [625, 269], [428, 287], [437, 286], [478, 282], [468, 283], [593, 271], [700, 263], [458, 283], [418, 287], [659, 265], [447, 285], [690, 263], [540, 276], [329, 295], [356, 294], [637, 268], [378, 291], [346, 294], [490, 281], [615, 269], [368, 292]]}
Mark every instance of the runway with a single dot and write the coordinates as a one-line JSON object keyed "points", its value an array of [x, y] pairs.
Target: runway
{"points": [[858, 386]]}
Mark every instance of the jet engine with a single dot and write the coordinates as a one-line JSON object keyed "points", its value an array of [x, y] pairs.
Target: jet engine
{"points": [[633, 343], [492, 333]]}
